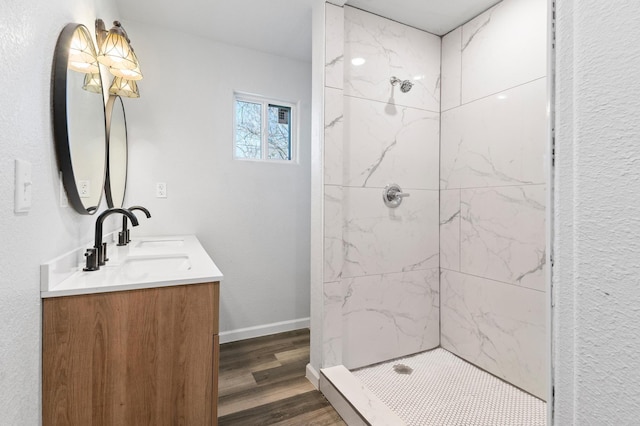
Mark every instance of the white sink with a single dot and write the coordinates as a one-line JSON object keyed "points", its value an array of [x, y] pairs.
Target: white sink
{"points": [[155, 265], [148, 262]]}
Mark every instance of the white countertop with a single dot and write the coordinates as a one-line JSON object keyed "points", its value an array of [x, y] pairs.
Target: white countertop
{"points": [[145, 262]]}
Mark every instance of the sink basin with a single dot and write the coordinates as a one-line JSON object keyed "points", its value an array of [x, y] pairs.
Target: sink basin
{"points": [[169, 243], [148, 262], [158, 265]]}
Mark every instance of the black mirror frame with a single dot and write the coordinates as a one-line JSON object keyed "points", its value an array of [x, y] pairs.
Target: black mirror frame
{"points": [[107, 184], [60, 117]]}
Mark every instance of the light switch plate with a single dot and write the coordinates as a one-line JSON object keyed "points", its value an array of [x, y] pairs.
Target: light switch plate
{"points": [[22, 186]]}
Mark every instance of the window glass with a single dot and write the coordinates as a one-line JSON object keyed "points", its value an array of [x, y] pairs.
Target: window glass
{"points": [[279, 126], [248, 140], [264, 129]]}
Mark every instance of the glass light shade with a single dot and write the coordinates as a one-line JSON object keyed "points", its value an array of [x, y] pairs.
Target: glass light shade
{"points": [[82, 54], [133, 74], [125, 88], [116, 52], [92, 83]]}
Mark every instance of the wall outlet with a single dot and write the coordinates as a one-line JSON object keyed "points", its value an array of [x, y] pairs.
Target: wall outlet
{"points": [[84, 188], [161, 190]]}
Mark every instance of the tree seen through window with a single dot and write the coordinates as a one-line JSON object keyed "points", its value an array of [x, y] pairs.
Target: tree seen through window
{"points": [[263, 130]]}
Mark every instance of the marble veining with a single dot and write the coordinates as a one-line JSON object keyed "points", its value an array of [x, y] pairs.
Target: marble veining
{"points": [[369, 171], [334, 46], [385, 143], [399, 309], [333, 136], [504, 47], [378, 239], [499, 327], [390, 49], [451, 70], [450, 229], [333, 243], [502, 234], [473, 30], [495, 141]]}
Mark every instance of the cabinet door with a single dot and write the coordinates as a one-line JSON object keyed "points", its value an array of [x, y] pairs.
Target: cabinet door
{"points": [[140, 357]]}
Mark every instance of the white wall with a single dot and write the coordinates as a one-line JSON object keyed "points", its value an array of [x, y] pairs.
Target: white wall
{"points": [[28, 34], [251, 217], [597, 213]]}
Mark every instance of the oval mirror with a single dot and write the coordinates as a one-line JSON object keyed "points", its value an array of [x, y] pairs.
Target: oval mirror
{"points": [[79, 118], [116, 182]]}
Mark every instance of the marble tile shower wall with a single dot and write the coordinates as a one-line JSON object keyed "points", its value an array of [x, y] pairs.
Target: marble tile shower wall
{"points": [[333, 190], [380, 265], [492, 182], [389, 276]]}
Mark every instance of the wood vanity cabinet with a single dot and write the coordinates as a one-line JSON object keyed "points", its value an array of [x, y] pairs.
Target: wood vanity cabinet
{"points": [[136, 357]]}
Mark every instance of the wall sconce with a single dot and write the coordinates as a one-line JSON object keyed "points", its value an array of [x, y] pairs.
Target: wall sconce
{"points": [[125, 88], [115, 49], [115, 52], [92, 83], [133, 74], [82, 57]]}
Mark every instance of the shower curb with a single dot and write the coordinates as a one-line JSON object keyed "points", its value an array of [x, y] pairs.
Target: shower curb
{"points": [[355, 403]]}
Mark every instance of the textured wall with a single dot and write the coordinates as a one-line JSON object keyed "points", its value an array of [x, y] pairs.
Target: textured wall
{"points": [[492, 180], [28, 34], [251, 217], [597, 214]]}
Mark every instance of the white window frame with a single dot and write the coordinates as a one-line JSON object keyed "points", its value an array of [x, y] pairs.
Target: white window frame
{"points": [[264, 130]]}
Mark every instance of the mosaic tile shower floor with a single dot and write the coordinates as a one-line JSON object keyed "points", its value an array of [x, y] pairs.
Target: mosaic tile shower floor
{"points": [[438, 388]]}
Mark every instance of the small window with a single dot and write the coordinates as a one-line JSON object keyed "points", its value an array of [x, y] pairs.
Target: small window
{"points": [[264, 129]]}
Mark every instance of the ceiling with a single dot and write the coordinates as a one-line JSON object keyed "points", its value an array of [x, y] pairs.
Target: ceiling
{"points": [[283, 27], [435, 16]]}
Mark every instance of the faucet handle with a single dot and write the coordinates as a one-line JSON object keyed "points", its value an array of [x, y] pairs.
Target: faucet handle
{"points": [[122, 238], [102, 254], [92, 260]]}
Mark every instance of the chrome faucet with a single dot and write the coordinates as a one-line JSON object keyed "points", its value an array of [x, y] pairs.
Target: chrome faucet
{"points": [[124, 235], [97, 255]]}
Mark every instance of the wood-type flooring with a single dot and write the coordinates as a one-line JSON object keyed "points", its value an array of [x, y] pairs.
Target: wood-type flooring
{"points": [[262, 382]]}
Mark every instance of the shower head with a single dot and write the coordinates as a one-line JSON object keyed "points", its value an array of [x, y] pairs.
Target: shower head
{"points": [[405, 85]]}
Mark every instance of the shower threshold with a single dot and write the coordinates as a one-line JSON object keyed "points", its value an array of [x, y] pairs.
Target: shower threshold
{"points": [[430, 388]]}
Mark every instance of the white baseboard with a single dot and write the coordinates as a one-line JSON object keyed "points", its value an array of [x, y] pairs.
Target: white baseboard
{"points": [[263, 330], [313, 376]]}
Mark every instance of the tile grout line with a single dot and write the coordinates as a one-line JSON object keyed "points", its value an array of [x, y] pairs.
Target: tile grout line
{"points": [[495, 281]]}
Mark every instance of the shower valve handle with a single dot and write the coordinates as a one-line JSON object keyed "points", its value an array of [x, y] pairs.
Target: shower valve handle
{"points": [[392, 195], [400, 194]]}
